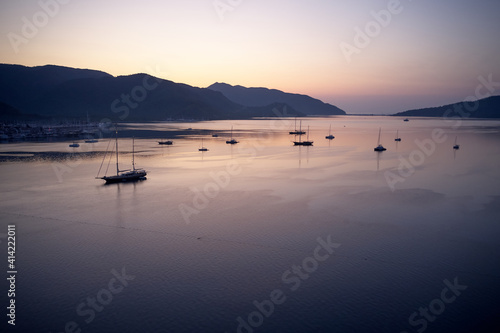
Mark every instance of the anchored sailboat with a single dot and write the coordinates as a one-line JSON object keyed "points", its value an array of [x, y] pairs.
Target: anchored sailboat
{"points": [[124, 175], [379, 146], [397, 137], [232, 141], [303, 143], [202, 148], [330, 136], [456, 146], [165, 142], [299, 132]]}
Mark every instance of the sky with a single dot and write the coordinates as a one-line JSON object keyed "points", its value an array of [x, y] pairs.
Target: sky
{"points": [[364, 56]]}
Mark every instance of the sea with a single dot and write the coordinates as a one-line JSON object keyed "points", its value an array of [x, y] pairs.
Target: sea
{"points": [[259, 236]]}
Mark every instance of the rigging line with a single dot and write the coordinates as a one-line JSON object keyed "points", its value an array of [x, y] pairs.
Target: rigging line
{"points": [[109, 161], [102, 162]]}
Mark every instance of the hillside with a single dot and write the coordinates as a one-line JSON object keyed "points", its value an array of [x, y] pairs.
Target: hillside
{"points": [[486, 108], [264, 96], [62, 92]]}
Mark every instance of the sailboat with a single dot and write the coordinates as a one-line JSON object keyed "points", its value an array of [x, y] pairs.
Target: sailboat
{"points": [[303, 143], [397, 137], [232, 141], [299, 132], [125, 175], [165, 142], [456, 146], [330, 136], [379, 146], [202, 148]]}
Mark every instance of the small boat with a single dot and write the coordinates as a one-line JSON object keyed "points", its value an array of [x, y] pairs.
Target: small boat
{"points": [[299, 132], [406, 119], [202, 148], [456, 146], [91, 141], [379, 146], [74, 145], [330, 136], [167, 142], [124, 175], [303, 143], [215, 135], [232, 141], [398, 139]]}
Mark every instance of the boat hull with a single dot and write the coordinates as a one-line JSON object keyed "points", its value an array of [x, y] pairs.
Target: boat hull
{"points": [[303, 143], [132, 176]]}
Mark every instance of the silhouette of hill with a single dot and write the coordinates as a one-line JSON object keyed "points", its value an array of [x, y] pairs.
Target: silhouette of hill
{"points": [[485, 108], [264, 96], [63, 92], [9, 113]]}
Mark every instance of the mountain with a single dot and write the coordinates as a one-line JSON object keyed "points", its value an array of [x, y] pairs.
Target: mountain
{"points": [[9, 113], [264, 96], [63, 92], [484, 108], [21, 84]]}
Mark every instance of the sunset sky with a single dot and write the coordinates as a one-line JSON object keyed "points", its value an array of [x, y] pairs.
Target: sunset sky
{"points": [[416, 54]]}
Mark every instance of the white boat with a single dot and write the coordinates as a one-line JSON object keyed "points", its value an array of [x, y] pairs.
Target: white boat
{"points": [[232, 141], [129, 175], [330, 136], [379, 146]]}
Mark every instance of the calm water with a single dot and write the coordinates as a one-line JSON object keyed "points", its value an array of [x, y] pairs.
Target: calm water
{"points": [[261, 236]]}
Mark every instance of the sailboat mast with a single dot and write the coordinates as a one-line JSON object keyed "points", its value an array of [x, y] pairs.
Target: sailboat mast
{"points": [[133, 153], [116, 138], [379, 130]]}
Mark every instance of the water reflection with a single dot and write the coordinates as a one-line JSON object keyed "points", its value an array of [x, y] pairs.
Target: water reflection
{"points": [[271, 205]]}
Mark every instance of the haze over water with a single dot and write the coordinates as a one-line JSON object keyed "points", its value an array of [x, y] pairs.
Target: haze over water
{"points": [[209, 235]]}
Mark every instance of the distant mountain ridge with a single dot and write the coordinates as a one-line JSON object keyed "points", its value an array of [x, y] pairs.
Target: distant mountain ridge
{"points": [[263, 96], [484, 108], [62, 92]]}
